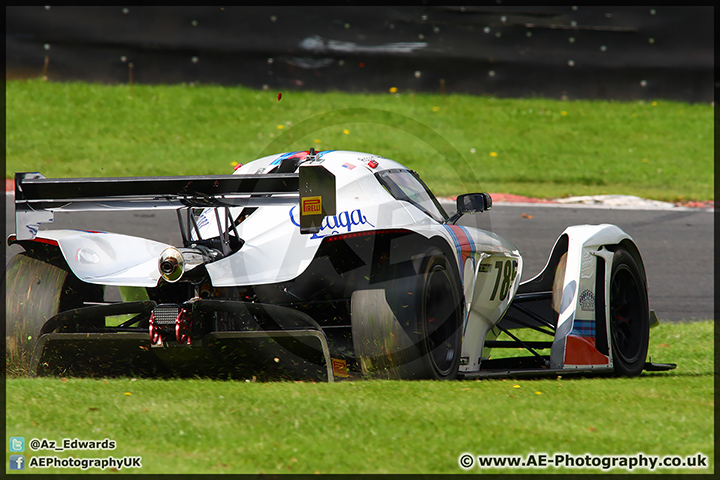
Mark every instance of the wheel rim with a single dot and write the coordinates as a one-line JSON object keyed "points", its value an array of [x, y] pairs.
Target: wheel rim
{"points": [[440, 321], [626, 315]]}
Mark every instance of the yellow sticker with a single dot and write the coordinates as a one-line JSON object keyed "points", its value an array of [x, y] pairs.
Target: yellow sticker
{"points": [[339, 367], [311, 205]]}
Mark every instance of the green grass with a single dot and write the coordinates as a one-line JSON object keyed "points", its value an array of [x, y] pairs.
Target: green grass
{"points": [[537, 147], [206, 426]]}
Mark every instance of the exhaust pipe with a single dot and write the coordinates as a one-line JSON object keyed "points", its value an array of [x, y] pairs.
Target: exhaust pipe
{"points": [[174, 262]]}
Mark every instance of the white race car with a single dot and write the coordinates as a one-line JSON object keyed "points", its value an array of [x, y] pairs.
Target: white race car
{"points": [[314, 264]]}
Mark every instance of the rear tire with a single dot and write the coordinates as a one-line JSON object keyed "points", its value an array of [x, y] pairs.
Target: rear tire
{"points": [[35, 291], [411, 329], [629, 315]]}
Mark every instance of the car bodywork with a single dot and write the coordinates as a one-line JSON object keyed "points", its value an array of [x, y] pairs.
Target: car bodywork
{"points": [[325, 264]]}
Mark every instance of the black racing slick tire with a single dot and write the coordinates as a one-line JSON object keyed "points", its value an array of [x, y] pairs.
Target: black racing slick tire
{"points": [[35, 291], [629, 315], [412, 328]]}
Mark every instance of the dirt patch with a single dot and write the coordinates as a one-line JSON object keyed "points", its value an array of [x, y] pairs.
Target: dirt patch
{"points": [[693, 204], [507, 198], [512, 198]]}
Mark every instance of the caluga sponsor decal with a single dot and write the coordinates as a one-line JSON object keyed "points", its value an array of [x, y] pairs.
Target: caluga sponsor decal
{"points": [[343, 222]]}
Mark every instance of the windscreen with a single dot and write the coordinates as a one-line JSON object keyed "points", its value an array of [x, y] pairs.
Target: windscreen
{"points": [[406, 185]]}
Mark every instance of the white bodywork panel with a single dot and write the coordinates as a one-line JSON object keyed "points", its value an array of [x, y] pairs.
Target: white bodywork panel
{"points": [[574, 294], [275, 250], [109, 258], [577, 304], [490, 301]]}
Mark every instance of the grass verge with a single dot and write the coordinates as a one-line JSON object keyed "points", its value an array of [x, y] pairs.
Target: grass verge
{"points": [[206, 426], [458, 143]]}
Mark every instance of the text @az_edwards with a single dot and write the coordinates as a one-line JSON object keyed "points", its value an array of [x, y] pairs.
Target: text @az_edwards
{"points": [[71, 444]]}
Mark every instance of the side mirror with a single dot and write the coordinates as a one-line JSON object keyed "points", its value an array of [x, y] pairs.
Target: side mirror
{"points": [[471, 203]]}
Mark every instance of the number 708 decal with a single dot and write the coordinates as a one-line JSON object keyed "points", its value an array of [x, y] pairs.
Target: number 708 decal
{"points": [[507, 271]]}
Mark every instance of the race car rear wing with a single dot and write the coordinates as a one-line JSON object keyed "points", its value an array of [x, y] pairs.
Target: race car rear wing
{"points": [[37, 198]]}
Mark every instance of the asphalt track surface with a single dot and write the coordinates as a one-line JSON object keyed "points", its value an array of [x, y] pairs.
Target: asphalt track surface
{"points": [[677, 245]]}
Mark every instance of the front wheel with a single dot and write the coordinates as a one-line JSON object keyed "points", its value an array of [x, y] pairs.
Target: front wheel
{"points": [[441, 321], [412, 328], [629, 315]]}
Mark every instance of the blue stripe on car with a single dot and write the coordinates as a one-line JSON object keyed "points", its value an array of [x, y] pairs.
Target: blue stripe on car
{"points": [[471, 242], [283, 157], [456, 242], [584, 328]]}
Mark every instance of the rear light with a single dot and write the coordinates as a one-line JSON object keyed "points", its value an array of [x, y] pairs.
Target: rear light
{"points": [[12, 239], [365, 233]]}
